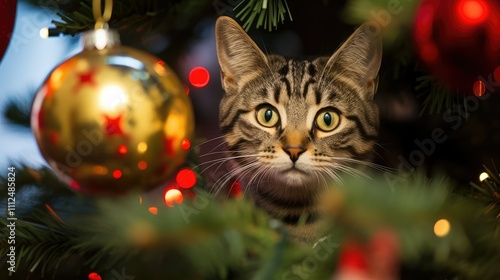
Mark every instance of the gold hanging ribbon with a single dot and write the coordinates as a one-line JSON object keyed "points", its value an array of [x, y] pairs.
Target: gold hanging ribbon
{"points": [[101, 19]]}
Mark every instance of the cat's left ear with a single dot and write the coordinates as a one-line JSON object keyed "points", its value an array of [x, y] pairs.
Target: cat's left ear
{"points": [[359, 58]]}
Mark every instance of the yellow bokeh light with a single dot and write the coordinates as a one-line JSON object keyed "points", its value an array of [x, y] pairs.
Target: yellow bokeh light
{"points": [[442, 228], [142, 147], [483, 176], [173, 196]]}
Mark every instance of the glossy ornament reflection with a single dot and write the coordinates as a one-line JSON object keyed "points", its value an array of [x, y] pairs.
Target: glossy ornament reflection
{"points": [[112, 119]]}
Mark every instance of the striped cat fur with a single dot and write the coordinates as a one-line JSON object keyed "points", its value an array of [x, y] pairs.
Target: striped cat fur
{"points": [[292, 126]]}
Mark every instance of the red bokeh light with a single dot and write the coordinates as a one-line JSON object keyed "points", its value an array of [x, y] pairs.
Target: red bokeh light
{"points": [[94, 276], [186, 144], [199, 77], [153, 210], [496, 74], [186, 178], [472, 11], [74, 185], [142, 165], [122, 149], [117, 174]]}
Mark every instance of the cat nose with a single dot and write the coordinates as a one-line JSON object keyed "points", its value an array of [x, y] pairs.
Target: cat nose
{"points": [[294, 152]]}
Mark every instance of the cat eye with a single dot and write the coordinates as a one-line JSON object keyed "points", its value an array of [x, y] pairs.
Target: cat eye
{"points": [[327, 120], [267, 116]]}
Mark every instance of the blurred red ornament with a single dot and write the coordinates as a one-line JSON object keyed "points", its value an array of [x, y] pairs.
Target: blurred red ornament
{"points": [[458, 40], [7, 18], [379, 259], [94, 276], [199, 77], [236, 189]]}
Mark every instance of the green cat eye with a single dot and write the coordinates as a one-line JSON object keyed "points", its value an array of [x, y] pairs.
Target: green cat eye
{"points": [[327, 120], [267, 116]]}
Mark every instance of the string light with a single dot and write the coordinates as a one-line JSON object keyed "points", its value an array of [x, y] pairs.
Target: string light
{"points": [[442, 228], [483, 176], [44, 33]]}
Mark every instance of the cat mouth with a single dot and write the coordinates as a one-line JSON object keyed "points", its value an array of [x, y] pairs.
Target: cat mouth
{"points": [[295, 170]]}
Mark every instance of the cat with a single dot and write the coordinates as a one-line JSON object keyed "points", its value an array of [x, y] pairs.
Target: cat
{"points": [[291, 126]]}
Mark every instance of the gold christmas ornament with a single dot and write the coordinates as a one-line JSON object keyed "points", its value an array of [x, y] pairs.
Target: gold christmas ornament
{"points": [[112, 119]]}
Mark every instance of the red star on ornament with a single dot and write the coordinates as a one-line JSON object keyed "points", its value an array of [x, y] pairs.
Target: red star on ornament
{"points": [[168, 146], [86, 78], [112, 125]]}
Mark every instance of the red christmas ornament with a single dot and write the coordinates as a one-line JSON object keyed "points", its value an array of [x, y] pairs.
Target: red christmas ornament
{"points": [[458, 40], [7, 18], [94, 276]]}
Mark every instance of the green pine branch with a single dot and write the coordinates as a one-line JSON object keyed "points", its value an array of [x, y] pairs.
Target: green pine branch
{"points": [[266, 13], [209, 238], [17, 111], [487, 191], [131, 16]]}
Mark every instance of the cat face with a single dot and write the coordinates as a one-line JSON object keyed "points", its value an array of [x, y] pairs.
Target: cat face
{"points": [[297, 122]]}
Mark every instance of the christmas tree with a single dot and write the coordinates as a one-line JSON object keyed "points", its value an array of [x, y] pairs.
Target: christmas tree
{"points": [[430, 209]]}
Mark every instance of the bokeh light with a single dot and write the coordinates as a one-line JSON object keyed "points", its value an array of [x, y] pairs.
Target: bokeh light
{"points": [[153, 210], [94, 276], [142, 165], [186, 178], [496, 74], [186, 144], [442, 228], [472, 11], [173, 196], [479, 88], [483, 176], [117, 174], [44, 33], [122, 149], [199, 77], [142, 147]]}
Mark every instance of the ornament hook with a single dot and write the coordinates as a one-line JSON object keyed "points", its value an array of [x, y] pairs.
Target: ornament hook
{"points": [[101, 19]]}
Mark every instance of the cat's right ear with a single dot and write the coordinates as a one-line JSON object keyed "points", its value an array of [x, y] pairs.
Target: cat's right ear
{"points": [[240, 59]]}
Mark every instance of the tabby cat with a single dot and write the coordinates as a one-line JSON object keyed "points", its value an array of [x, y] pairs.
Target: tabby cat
{"points": [[292, 125]]}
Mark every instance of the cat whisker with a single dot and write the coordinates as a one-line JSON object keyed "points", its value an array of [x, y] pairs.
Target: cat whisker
{"points": [[221, 182], [209, 141], [352, 171], [334, 175], [218, 152], [375, 166]]}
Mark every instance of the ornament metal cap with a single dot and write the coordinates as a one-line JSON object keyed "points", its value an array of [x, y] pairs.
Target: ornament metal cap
{"points": [[100, 39]]}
